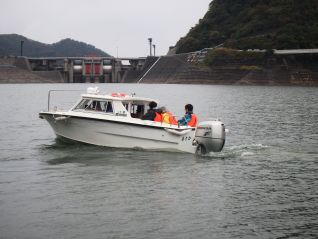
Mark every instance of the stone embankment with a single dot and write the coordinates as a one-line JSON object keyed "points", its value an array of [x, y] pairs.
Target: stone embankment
{"points": [[133, 76], [17, 70], [292, 69]]}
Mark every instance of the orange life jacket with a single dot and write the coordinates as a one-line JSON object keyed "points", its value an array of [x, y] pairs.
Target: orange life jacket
{"points": [[158, 117], [168, 118], [194, 120]]}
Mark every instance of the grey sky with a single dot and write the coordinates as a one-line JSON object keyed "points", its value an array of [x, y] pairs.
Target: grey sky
{"points": [[107, 24]]}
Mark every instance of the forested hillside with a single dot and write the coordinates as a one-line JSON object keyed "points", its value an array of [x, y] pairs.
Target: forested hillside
{"points": [[255, 24], [10, 45]]}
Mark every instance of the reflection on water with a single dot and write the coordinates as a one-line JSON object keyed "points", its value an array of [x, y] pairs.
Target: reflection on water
{"points": [[262, 185], [67, 151]]}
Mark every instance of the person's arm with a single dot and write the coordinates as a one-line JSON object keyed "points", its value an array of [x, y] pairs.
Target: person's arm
{"points": [[145, 116], [184, 121]]}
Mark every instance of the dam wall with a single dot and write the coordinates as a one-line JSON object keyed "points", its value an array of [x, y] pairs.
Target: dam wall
{"points": [[17, 70], [72, 69], [282, 68]]}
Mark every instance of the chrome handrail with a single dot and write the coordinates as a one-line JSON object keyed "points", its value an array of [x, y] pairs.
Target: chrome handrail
{"points": [[49, 97]]}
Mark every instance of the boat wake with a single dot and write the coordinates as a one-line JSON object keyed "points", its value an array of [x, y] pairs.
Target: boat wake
{"points": [[238, 151]]}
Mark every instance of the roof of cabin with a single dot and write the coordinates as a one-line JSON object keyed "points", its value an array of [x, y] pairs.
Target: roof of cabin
{"points": [[118, 98]]}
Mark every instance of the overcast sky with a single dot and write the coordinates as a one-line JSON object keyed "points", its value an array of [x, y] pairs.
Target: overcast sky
{"points": [[121, 26]]}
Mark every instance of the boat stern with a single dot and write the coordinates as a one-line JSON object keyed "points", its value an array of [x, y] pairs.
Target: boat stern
{"points": [[210, 136]]}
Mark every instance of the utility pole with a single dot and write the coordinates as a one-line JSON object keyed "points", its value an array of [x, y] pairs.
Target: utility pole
{"points": [[154, 50], [150, 43], [21, 48]]}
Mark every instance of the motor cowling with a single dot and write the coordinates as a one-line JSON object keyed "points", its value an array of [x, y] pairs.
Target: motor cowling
{"points": [[210, 136]]}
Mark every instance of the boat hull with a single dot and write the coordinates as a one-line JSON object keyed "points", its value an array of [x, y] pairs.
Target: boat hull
{"points": [[121, 134]]}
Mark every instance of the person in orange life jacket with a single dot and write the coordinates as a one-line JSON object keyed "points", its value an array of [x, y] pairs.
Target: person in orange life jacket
{"points": [[167, 117], [158, 117], [189, 118], [152, 113]]}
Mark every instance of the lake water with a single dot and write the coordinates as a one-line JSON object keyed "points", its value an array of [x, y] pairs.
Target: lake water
{"points": [[264, 184]]}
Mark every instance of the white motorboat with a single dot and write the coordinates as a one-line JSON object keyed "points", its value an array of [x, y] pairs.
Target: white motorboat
{"points": [[114, 120]]}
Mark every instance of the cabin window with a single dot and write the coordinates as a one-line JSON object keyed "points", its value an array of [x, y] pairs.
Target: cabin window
{"points": [[107, 106], [126, 105], [83, 104], [137, 111], [95, 105]]}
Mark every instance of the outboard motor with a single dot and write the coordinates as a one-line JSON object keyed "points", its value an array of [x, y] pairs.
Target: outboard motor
{"points": [[210, 137]]}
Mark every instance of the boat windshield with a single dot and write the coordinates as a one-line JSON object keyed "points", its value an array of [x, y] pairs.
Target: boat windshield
{"points": [[136, 109], [95, 105]]}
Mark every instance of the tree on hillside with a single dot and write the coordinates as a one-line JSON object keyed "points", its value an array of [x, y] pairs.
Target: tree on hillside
{"points": [[10, 45], [258, 24]]}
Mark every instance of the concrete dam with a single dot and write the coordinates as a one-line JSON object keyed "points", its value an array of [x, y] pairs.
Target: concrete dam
{"points": [[281, 68], [71, 69]]}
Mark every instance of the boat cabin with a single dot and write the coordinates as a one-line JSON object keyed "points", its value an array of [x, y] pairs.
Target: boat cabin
{"points": [[115, 104]]}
